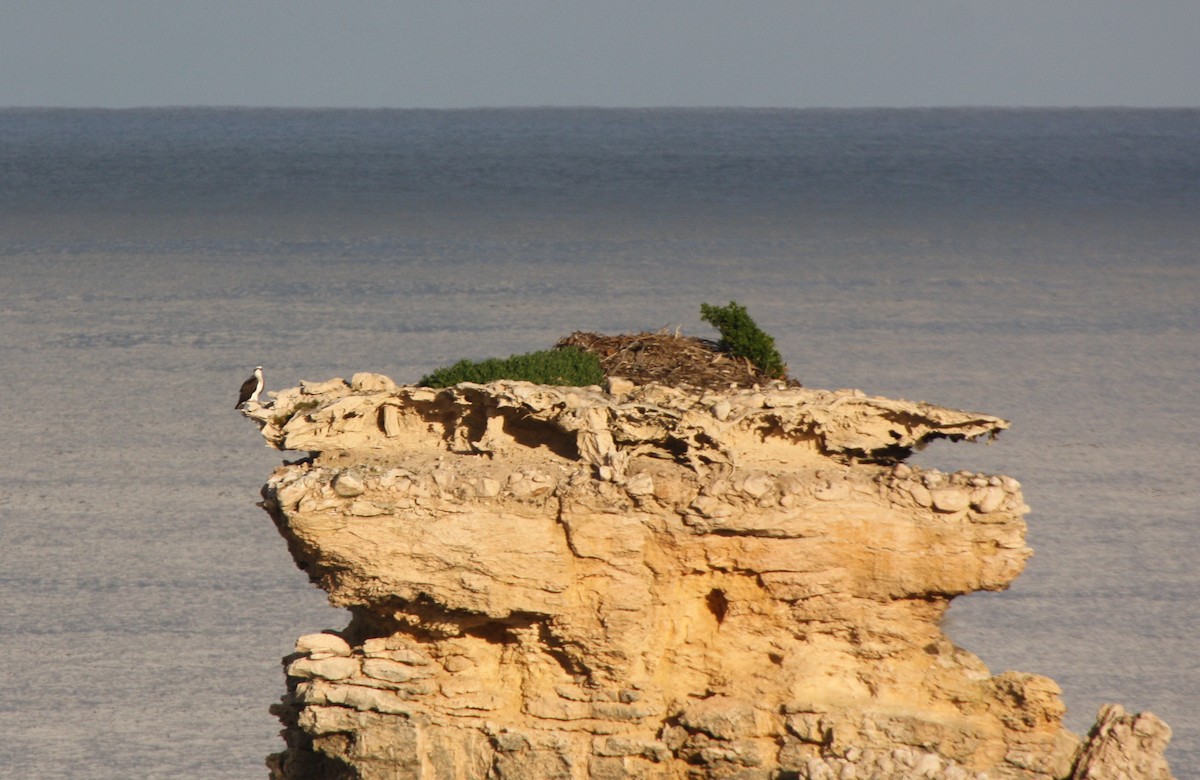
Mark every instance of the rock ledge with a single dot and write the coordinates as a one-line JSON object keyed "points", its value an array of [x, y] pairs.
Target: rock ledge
{"points": [[650, 582]]}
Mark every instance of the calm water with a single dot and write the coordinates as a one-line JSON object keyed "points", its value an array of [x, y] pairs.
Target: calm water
{"points": [[1040, 265]]}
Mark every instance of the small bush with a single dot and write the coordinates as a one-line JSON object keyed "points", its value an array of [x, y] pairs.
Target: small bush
{"points": [[568, 367], [741, 337]]}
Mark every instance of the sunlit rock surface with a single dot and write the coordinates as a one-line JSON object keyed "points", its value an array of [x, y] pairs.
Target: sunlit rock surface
{"points": [[653, 583]]}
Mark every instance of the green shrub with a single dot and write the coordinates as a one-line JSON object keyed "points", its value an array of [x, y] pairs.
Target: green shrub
{"points": [[569, 367], [741, 337]]}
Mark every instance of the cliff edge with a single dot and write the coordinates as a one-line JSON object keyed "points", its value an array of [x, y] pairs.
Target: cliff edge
{"points": [[654, 582]]}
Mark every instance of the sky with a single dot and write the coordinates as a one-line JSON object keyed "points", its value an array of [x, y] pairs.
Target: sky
{"points": [[633, 53]]}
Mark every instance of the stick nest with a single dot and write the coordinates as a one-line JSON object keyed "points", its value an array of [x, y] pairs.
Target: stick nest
{"points": [[667, 358]]}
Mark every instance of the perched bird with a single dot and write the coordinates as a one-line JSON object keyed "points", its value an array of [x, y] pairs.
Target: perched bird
{"points": [[251, 388]]}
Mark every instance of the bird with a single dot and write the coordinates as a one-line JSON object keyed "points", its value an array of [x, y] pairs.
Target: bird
{"points": [[251, 388]]}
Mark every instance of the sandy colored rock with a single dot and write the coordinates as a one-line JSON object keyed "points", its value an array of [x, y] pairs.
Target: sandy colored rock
{"points": [[322, 645], [1123, 745], [657, 583], [330, 668]]}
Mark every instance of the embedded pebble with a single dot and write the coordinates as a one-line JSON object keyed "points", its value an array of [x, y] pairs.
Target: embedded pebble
{"points": [[711, 507], [721, 410], [988, 499], [758, 485], [640, 485], [520, 486], [365, 509], [457, 663], [933, 479], [921, 495], [347, 485], [309, 504], [927, 765], [486, 487], [831, 491], [950, 499], [291, 493]]}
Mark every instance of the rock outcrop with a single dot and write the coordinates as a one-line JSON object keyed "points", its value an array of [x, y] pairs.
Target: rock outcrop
{"points": [[651, 582]]}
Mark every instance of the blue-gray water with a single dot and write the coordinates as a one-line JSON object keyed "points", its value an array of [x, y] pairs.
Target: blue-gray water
{"points": [[1039, 265]]}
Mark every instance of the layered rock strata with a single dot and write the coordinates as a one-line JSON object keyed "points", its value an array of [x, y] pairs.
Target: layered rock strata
{"points": [[652, 582]]}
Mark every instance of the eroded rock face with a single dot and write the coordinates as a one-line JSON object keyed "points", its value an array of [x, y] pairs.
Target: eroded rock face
{"points": [[572, 583], [1124, 745]]}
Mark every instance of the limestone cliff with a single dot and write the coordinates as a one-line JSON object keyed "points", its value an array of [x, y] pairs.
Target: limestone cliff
{"points": [[650, 582]]}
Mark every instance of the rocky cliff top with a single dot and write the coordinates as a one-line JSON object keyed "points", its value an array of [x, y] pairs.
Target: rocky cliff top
{"points": [[653, 582]]}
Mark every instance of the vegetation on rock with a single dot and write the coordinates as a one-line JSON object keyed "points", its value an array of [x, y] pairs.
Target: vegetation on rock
{"points": [[569, 367], [583, 358], [741, 337], [667, 358]]}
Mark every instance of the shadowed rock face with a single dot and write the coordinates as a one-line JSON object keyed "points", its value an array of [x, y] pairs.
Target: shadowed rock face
{"points": [[650, 582]]}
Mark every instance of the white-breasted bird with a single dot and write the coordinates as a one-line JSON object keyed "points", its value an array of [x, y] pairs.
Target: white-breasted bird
{"points": [[251, 388]]}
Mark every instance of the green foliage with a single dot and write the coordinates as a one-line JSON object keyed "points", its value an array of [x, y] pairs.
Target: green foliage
{"points": [[569, 367], [741, 337]]}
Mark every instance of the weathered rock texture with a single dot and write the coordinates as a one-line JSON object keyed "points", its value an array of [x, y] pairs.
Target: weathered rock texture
{"points": [[649, 582]]}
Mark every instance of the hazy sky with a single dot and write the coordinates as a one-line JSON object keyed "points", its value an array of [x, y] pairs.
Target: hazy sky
{"points": [[451, 53]]}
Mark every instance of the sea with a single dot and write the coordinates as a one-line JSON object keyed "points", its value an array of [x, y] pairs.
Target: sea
{"points": [[1042, 265]]}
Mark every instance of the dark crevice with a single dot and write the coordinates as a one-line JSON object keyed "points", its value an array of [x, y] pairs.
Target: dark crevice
{"points": [[756, 533], [718, 604], [533, 434], [557, 650]]}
